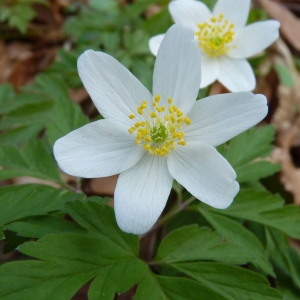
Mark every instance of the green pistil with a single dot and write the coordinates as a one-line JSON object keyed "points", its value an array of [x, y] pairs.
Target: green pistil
{"points": [[159, 133]]}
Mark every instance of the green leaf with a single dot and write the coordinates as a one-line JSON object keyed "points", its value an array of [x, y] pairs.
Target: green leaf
{"points": [[264, 208], [51, 86], [18, 15], [105, 5], [97, 219], [28, 113], [66, 117], [234, 232], [192, 243], [239, 151], [286, 261], [25, 117], [18, 202], [111, 279], [163, 288], [229, 282], [70, 259], [249, 162], [256, 170], [7, 95], [33, 160], [24, 280], [285, 75], [40, 226]]}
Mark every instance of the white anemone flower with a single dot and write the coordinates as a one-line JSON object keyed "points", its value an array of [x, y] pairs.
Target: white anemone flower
{"points": [[223, 39], [149, 139]]}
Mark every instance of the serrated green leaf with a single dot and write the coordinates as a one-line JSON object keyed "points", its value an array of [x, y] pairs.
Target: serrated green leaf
{"points": [[256, 170], [72, 259], [96, 218], [191, 243], [39, 226], [18, 202], [230, 282], [110, 280], [7, 95], [27, 113], [51, 86], [236, 233], [246, 154], [33, 160], [25, 117], [19, 135], [286, 260], [18, 15], [250, 145], [170, 288], [264, 208], [25, 280], [66, 117]]}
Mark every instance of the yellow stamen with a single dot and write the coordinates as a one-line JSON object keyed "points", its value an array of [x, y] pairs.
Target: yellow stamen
{"points": [[215, 36], [161, 130]]}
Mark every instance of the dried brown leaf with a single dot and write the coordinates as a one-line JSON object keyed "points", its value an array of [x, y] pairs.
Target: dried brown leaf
{"points": [[290, 24]]}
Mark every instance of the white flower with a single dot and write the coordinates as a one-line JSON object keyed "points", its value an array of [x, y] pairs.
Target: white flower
{"points": [[152, 138], [223, 39]]}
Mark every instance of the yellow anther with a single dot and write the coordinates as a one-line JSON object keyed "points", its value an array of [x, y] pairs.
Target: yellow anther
{"points": [[153, 114], [187, 121], [144, 104], [147, 147], [160, 131], [157, 98], [182, 142], [215, 36], [131, 116]]}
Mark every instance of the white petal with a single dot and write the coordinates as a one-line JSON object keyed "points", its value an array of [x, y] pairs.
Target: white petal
{"points": [[154, 43], [99, 149], [189, 13], [235, 11], [141, 194], [177, 68], [254, 38], [216, 119], [236, 74], [114, 90], [204, 173], [209, 70]]}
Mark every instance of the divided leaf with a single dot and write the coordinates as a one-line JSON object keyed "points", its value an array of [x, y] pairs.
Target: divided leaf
{"points": [[70, 259], [265, 208], [246, 153], [33, 160], [234, 232], [66, 116], [22, 201], [229, 282], [169, 288], [191, 243]]}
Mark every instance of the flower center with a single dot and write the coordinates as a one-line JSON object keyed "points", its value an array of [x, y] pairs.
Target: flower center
{"points": [[161, 129], [215, 36]]}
